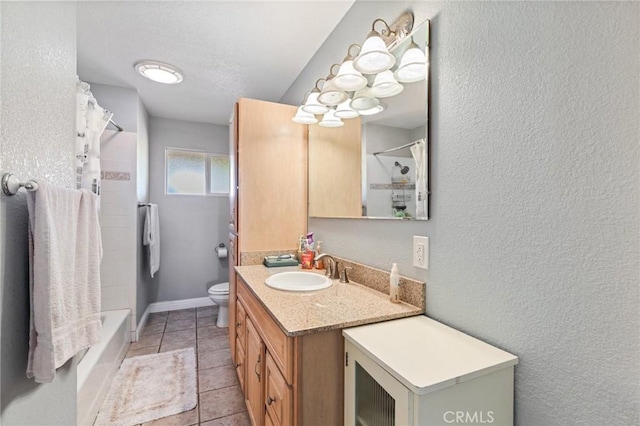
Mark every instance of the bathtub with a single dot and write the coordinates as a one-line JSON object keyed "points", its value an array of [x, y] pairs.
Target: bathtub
{"points": [[100, 363]]}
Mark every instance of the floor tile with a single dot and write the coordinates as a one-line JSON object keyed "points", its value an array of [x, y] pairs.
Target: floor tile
{"points": [[142, 351], [147, 341], [206, 311], [207, 321], [167, 347], [214, 343], [221, 402], [211, 331], [153, 329], [217, 378], [182, 324], [238, 419], [182, 314], [215, 358], [183, 419], [157, 318], [179, 336]]}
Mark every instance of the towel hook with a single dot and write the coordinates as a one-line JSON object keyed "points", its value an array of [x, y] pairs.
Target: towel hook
{"points": [[11, 184]]}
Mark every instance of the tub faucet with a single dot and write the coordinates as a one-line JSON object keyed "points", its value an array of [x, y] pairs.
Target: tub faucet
{"points": [[331, 265]]}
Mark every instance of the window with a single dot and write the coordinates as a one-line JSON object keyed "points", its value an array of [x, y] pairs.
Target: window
{"points": [[196, 172]]}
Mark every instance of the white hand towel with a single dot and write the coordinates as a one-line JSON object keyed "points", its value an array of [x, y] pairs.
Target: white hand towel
{"points": [[151, 237], [65, 249]]}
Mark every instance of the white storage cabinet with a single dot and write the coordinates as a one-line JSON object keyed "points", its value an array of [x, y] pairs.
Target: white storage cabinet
{"points": [[417, 371]]}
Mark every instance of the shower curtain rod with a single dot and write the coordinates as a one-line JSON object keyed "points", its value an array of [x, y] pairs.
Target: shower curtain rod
{"points": [[120, 129], [399, 147]]}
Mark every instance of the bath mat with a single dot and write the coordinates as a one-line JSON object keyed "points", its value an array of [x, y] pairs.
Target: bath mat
{"points": [[150, 387]]}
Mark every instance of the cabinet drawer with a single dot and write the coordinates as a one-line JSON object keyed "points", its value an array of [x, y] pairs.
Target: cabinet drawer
{"points": [[279, 345], [240, 363], [278, 395]]}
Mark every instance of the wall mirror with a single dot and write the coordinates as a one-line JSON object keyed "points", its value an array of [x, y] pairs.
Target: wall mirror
{"points": [[376, 166]]}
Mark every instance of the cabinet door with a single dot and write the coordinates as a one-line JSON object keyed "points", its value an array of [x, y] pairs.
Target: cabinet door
{"points": [[241, 324], [278, 395], [254, 374], [241, 368]]}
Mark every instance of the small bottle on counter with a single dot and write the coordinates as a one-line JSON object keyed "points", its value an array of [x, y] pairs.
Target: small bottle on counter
{"points": [[394, 284]]}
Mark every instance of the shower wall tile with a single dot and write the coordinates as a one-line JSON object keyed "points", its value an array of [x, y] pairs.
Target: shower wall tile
{"points": [[119, 221]]}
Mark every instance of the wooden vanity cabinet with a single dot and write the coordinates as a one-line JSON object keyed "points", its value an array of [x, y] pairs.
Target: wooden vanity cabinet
{"points": [[293, 381]]}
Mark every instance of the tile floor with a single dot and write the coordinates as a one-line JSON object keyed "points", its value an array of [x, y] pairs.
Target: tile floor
{"points": [[220, 399]]}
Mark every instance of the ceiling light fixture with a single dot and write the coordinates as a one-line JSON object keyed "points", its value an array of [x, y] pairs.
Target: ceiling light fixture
{"points": [[385, 86], [349, 78], [302, 117], [345, 111], [330, 120], [159, 72], [413, 65]]}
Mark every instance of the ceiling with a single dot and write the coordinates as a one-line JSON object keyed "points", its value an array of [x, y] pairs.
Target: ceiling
{"points": [[226, 49]]}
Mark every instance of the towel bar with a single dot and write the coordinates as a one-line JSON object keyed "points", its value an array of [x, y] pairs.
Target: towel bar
{"points": [[11, 184]]}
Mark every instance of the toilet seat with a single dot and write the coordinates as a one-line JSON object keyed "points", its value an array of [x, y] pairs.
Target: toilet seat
{"points": [[219, 289]]}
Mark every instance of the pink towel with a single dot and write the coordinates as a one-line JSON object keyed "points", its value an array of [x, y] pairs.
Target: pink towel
{"points": [[65, 251]]}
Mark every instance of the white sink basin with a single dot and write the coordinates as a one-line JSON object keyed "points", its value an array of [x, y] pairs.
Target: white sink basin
{"points": [[298, 281]]}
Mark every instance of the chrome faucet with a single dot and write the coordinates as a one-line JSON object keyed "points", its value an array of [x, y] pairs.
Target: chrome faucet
{"points": [[331, 265]]}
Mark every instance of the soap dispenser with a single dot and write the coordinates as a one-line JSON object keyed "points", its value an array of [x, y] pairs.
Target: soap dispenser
{"points": [[394, 284]]}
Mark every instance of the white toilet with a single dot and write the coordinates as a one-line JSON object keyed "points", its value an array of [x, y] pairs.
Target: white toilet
{"points": [[219, 294]]}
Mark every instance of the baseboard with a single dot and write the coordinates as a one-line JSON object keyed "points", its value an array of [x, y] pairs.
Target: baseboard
{"points": [[141, 324], [174, 305]]}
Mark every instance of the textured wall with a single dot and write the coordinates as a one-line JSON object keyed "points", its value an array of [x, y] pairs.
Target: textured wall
{"points": [[535, 206], [38, 73], [191, 226]]}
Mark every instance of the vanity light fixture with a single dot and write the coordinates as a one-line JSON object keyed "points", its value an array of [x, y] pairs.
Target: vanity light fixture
{"points": [[385, 85], [330, 120], [349, 79], [302, 117], [330, 95], [372, 111], [312, 106], [349, 92], [413, 65], [363, 100], [159, 72], [345, 111]]}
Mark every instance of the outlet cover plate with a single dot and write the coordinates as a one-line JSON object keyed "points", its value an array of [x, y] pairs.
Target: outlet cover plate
{"points": [[421, 252]]}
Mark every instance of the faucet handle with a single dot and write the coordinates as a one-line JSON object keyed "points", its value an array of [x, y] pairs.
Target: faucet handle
{"points": [[344, 277]]}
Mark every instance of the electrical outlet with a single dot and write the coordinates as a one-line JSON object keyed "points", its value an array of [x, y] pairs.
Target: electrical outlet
{"points": [[421, 252]]}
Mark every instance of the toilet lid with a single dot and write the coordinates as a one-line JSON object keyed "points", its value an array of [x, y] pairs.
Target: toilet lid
{"points": [[222, 288]]}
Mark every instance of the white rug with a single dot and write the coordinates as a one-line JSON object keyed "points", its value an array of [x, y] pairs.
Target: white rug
{"points": [[150, 387]]}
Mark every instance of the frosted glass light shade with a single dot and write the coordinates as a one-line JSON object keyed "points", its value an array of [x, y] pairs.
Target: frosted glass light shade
{"points": [[312, 106], [349, 79], [413, 66], [374, 56], [302, 117], [330, 120], [159, 72], [385, 85], [345, 111], [371, 111], [331, 95], [363, 99]]}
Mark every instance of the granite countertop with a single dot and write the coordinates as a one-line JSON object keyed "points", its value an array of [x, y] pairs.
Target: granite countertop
{"points": [[339, 306]]}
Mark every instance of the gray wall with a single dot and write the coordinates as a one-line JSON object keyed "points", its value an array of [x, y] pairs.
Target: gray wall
{"points": [[191, 226], [37, 106], [535, 207]]}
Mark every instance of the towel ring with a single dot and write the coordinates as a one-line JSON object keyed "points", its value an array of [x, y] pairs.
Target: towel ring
{"points": [[11, 184]]}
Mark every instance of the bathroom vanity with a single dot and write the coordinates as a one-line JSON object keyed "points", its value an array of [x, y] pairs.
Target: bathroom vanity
{"points": [[289, 349]]}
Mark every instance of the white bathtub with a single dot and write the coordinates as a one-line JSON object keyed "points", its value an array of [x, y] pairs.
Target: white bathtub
{"points": [[100, 363]]}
